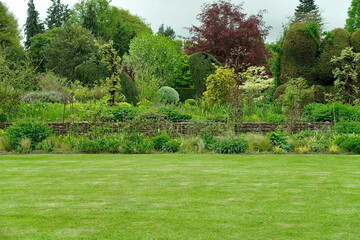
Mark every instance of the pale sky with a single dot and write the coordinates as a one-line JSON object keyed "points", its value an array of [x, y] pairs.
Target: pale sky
{"points": [[180, 14]]}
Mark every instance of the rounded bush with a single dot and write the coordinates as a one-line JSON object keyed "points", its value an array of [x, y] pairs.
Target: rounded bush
{"points": [[172, 146], [160, 141], [201, 65], [337, 40], [355, 41], [299, 53], [32, 130], [168, 95]]}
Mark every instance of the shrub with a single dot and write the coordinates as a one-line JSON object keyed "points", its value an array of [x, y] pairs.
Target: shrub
{"points": [[136, 144], [280, 90], [231, 145], [35, 131], [174, 115], [190, 102], [52, 143], [277, 138], [337, 40], [121, 114], [220, 85], [275, 118], [355, 40], [172, 146], [201, 65], [318, 93], [299, 52], [168, 95], [209, 141], [350, 143], [108, 144], [159, 142], [347, 127], [128, 89]]}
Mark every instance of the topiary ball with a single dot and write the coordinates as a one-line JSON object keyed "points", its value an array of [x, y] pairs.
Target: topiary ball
{"points": [[168, 95]]}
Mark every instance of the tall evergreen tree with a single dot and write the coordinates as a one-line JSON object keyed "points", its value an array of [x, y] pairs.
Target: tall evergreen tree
{"points": [[58, 14], [353, 20], [308, 11], [33, 24]]}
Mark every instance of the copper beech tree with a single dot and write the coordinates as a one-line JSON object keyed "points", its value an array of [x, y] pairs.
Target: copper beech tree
{"points": [[230, 35]]}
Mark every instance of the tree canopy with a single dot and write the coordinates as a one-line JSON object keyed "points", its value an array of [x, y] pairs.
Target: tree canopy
{"points": [[58, 14], [308, 11], [9, 29], [353, 20], [229, 34]]}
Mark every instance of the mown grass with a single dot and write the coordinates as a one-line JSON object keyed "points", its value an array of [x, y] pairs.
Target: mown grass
{"points": [[179, 197]]}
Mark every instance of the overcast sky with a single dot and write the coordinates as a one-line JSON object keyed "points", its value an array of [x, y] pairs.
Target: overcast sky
{"points": [[180, 14]]}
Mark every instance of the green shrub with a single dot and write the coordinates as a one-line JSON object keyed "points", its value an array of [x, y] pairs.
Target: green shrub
{"points": [[168, 95], [350, 143], [136, 144], [121, 114], [192, 145], [275, 118], [174, 115], [299, 53], [209, 141], [201, 65], [33, 130], [190, 102], [318, 94], [277, 138], [51, 144], [337, 40], [108, 144], [159, 142], [128, 89], [355, 41], [231, 145], [347, 127], [172, 146]]}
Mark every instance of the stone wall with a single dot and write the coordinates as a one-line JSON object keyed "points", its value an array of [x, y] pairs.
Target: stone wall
{"points": [[190, 128]]}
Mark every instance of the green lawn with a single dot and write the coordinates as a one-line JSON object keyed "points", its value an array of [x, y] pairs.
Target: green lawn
{"points": [[179, 197]]}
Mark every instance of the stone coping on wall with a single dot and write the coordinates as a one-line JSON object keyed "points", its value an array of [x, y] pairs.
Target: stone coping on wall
{"points": [[193, 128]]}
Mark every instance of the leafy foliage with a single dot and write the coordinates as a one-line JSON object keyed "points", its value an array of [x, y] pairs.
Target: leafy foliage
{"points": [[129, 89], [155, 58], [201, 65], [167, 32], [346, 74], [219, 86], [350, 143], [58, 14], [231, 145], [225, 31], [337, 40], [68, 48], [9, 29], [355, 40], [353, 20], [35, 131]]}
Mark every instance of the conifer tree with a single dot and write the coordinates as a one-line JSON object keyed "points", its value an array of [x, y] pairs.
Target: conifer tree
{"points": [[167, 32], [33, 24], [353, 21], [58, 14], [308, 11]]}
